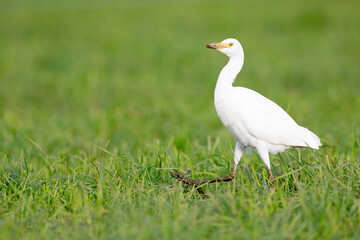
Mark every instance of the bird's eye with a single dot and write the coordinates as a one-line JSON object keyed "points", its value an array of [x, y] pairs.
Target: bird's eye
{"points": [[231, 44]]}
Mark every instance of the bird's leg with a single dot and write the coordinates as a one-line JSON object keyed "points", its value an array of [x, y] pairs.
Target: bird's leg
{"points": [[264, 155], [270, 175], [271, 178]]}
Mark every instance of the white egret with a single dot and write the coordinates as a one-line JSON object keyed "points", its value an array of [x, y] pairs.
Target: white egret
{"points": [[254, 120]]}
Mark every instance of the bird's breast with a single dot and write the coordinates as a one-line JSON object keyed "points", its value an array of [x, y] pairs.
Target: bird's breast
{"points": [[226, 105], [228, 109], [223, 111], [223, 107]]}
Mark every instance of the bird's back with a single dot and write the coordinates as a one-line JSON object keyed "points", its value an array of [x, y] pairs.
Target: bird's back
{"points": [[259, 119]]}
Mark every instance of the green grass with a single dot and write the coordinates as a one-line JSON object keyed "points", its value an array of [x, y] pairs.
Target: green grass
{"points": [[99, 100]]}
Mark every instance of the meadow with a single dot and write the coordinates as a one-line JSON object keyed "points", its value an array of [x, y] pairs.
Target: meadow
{"points": [[99, 100]]}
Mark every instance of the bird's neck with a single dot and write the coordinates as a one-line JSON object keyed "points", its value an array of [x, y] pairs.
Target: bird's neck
{"points": [[228, 73]]}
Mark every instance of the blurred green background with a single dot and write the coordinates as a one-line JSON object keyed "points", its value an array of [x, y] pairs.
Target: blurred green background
{"points": [[130, 75], [131, 71]]}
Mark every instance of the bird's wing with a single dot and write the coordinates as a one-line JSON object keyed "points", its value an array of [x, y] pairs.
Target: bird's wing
{"points": [[268, 122]]}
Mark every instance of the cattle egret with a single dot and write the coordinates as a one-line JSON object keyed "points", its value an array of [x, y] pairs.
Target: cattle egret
{"points": [[255, 121]]}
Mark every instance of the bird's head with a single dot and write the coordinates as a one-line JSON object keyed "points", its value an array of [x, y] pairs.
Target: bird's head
{"points": [[230, 47]]}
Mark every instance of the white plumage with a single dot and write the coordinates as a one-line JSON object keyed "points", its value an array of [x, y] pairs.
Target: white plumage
{"points": [[252, 119]]}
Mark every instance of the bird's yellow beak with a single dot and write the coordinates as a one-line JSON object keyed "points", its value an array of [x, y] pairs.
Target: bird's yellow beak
{"points": [[218, 45]]}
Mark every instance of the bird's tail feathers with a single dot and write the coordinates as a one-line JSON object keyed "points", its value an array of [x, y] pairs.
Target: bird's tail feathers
{"points": [[310, 139]]}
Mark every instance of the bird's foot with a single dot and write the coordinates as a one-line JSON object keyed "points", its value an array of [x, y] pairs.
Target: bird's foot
{"points": [[272, 180], [273, 184]]}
